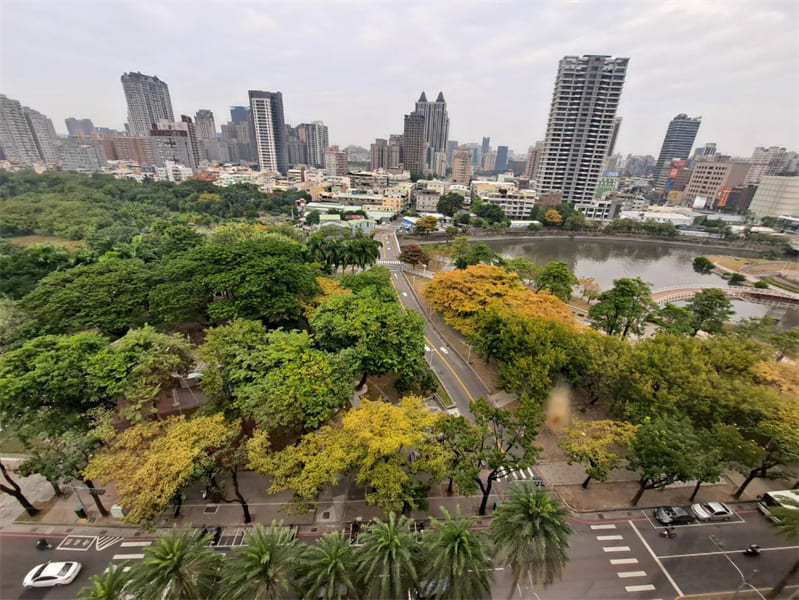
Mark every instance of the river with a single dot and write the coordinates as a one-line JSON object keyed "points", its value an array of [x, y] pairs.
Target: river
{"points": [[660, 264]]}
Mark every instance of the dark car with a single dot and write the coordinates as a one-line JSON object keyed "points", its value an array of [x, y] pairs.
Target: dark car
{"points": [[673, 515]]}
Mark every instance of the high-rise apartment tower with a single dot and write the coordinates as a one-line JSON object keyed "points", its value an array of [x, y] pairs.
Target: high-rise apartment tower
{"points": [[678, 142], [148, 101], [314, 136], [270, 130], [413, 144], [205, 124], [580, 126], [16, 137]]}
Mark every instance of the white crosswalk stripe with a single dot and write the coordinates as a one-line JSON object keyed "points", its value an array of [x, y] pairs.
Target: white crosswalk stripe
{"points": [[640, 588], [603, 526], [628, 574], [127, 556], [136, 544], [616, 548], [608, 538], [623, 561]]}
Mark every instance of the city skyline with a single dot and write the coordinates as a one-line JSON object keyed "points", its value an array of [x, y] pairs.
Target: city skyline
{"points": [[746, 92]]}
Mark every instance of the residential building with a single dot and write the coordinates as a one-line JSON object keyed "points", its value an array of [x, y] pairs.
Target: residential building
{"points": [[16, 138], [710, 176], [297, 149], [127, 148], [270, 131], [80, 127], [239, 136], [485, 146], [706, 152], [501, 158], [462, 166], [44, 135], [148, 102], [84, 155], [205, 125], [765, 161], [515, 203], [580, 126], [600, 210], [335, 162], [196, 147], [678, 142], [172, 142], [426, 200], [776, 196], [395, 154], [413, 144], [378, 154], [314, 136], [490, 161], [240, 114], [534, 156], [440, 164], [452, 145]]}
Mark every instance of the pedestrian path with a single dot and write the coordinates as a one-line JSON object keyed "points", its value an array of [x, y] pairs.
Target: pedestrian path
{"points": [[624, 566], [131, 550]]}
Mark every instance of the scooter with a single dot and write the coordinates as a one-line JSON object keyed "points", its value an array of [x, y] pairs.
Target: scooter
{"points": [[668, 533], [43, 544], [752, 550]]}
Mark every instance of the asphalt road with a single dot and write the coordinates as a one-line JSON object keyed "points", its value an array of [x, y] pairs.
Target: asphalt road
{"points": [[458, 379], [620, 556]]}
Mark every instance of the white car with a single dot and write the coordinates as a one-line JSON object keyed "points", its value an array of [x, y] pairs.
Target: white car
{"points": [[51, 574], [711, 511]]}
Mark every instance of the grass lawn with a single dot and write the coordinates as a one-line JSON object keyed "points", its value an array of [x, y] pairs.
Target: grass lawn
{"points": [[736, 262], [26, 241]]}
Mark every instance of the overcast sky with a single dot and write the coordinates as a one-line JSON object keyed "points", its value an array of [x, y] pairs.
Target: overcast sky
{"points": [[360, 65]]}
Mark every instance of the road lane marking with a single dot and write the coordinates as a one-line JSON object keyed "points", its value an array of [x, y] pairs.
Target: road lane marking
{"points": [[726, 552], [106, 541], [624, 561], [135, 544], [127, 556], [628, 574], [444, 350], [657, 560], [449, 366], [405, 294], [616, 548], [640, 588], [609, 538], [605, 526]]}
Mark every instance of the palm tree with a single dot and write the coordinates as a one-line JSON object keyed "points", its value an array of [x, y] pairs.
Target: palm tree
{"points": [[328, 569], [531, 534], [264, 567], [179, 566], [788, 527], [388, 560], [459, 564], [107, 586]]}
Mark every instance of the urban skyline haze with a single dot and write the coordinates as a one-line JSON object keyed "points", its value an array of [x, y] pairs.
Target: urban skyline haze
{"points": [[360, 66]]}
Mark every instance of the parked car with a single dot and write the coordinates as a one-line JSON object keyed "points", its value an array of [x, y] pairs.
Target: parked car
{"points": [[51, 574], [673, 515], [711, 511]]}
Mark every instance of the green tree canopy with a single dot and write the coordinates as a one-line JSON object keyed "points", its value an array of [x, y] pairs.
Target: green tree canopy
{"points": [[449, 204], [110, 295], [709, 309], [623, 309], [254, 279], [44, 389], [278, 378], [378, 337], [556, 277]]}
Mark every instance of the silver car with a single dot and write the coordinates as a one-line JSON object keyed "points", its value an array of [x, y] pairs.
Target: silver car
{"points": [[711, 511]]}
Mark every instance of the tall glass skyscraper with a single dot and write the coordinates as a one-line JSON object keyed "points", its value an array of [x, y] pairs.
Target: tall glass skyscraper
{"points": [[678, 142]]}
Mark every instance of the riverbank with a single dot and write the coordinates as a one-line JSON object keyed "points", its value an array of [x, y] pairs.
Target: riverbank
{"points": [[752, 248]]}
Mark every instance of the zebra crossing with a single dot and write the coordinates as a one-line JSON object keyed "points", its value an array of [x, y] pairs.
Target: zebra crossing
{"points": [[607, 533], [526, 474]]}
